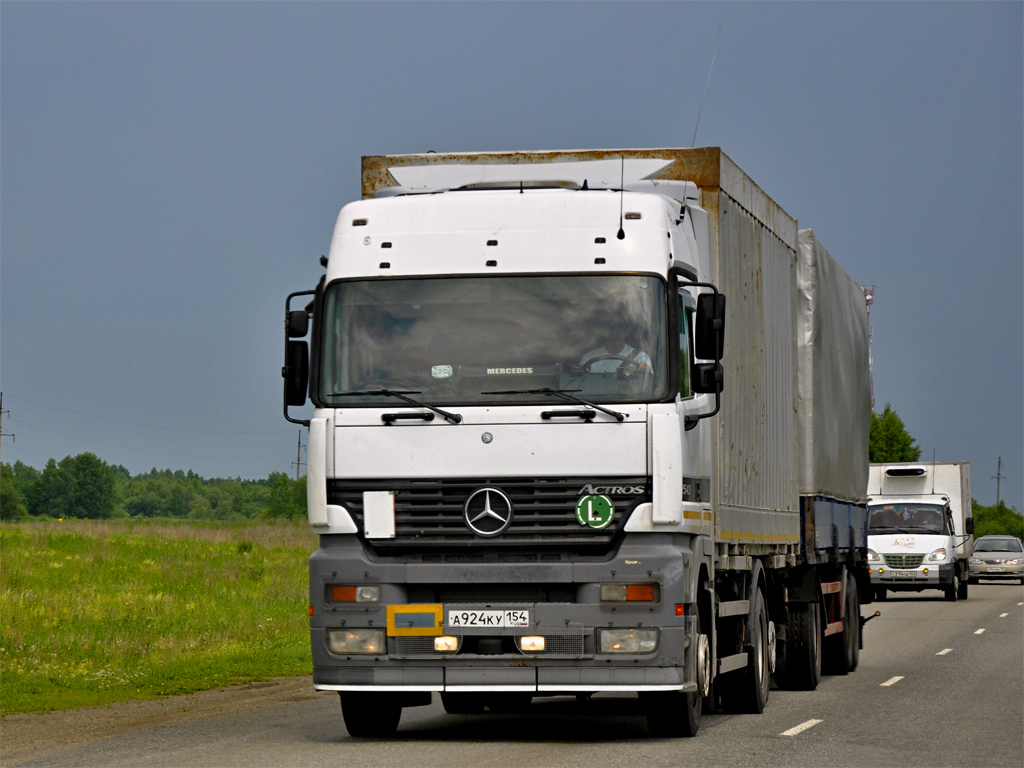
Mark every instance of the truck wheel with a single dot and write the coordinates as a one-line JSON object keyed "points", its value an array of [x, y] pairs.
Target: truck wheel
{"points": [[953, 589], [749, 691], [842, 651], [880, 593], [463, 703], [674, 713], [371, 714], [801, 670], [962, 592]]}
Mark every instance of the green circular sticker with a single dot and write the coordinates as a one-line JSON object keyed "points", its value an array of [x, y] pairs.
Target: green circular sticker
{"points": [[595, 511]]}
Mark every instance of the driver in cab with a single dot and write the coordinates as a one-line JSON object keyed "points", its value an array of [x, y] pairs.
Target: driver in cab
{"points": [[616, 352]]}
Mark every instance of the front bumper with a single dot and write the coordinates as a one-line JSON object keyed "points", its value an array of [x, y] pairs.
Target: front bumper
{"points": [[912, 579], [998, 572]]}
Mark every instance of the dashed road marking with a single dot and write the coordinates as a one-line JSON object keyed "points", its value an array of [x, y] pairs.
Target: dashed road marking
{"points": [[979, 631], [1003, 615], [800, 728], [891, 681], [944, 651]]}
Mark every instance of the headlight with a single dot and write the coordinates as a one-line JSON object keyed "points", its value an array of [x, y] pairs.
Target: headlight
{"points": [[349, 641], [974, 560], [872, 556], [937, 556], [628, 640], [1016, 561]]}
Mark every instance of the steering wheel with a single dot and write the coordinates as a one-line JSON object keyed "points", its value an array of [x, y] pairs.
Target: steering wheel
{"points": [[599, 358]]}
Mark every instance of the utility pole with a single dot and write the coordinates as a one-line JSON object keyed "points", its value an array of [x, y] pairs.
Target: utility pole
{"points": [[298, 457], [2, 412], [997, 477]]}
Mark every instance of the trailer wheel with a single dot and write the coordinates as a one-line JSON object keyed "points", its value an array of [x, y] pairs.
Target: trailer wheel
{"points": [[747, 691], [371, 714], [801, 670], [842, 651]]}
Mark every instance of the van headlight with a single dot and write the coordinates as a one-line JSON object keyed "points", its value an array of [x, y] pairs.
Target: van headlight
{"points": [[872, 556], [937, 556]]}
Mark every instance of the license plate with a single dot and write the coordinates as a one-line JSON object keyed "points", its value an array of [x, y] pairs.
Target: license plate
{"points": [[496, 619], [902, 574], [995, 570]]}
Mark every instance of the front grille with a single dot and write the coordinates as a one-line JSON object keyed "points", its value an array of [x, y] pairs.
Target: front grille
{"points": [[429, 513], [903, 561]]}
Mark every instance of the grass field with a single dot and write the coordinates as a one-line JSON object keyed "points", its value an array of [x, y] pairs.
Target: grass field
{"points": [[96, 612]]}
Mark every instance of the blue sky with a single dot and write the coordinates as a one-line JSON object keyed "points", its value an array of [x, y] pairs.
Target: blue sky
{"points": [[170, 171]]}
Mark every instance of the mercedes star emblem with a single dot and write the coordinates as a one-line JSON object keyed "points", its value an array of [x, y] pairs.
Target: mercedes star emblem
{"points": [[487, 512]]}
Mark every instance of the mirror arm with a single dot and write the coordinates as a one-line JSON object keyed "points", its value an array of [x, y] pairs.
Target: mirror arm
{"points": [[685, 277]]}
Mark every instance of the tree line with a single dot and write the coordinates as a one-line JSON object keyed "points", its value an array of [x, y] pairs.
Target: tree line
{"points": [[85, 486]]}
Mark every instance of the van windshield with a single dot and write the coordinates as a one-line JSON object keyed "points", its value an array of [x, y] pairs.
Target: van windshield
{"points": [[916, 518], [469, 340]]}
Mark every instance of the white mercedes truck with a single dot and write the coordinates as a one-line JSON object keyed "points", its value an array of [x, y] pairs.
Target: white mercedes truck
{"points": [[584, 422], [920, 527]]}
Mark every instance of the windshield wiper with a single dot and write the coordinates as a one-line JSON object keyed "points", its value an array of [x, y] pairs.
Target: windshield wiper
{"points": [[888, 528], [562, 393], [451, 418]]}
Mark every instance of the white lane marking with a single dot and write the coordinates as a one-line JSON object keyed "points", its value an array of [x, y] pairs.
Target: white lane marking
{"points": [[944, 651], [891, 681], [979, 631], [800, 728], [1003, 615]]}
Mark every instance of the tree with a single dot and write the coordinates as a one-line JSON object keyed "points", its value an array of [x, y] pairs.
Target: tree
{"points": [[12, 503], [79, 486], [998, 519], [889, 440]]}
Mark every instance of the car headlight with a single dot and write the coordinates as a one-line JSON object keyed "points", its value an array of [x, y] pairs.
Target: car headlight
{"points": [[872, 556], [974, 560], [1016, 561], [937, 556]]}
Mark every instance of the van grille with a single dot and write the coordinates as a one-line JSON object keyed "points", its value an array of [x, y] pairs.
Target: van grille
{"points": [[429, 513], [903, 561]]}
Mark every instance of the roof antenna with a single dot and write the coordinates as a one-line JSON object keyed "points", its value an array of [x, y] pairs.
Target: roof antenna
{"points": [[693, 143], [622, 184]]}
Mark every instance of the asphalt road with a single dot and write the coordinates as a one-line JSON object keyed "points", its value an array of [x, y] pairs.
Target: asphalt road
{"points": [[939, 684]]}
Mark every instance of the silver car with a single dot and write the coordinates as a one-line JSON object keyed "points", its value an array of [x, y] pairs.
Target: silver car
{"points": [[997, 557]]}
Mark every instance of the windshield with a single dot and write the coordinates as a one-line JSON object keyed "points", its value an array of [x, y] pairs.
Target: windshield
{"points": [[997, 545], [919, 518], [462, 340]]}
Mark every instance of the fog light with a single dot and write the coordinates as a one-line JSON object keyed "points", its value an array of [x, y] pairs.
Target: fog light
{"points": [[628, 640], [446, 644], [534, 643], [351, 641]]}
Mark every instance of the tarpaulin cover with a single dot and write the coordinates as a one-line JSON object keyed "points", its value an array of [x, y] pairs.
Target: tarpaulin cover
{"points": [[833, 376]]}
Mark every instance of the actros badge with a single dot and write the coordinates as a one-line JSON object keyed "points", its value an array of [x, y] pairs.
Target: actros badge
{"points": [[487, 512]]}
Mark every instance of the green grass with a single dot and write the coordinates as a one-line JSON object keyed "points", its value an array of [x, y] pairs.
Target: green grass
{"points": [[97, 612]]}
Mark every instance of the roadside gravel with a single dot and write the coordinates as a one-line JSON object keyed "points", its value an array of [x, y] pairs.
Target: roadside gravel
{"points": [[24, 736]]}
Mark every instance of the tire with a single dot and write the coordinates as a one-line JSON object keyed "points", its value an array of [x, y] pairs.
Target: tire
{"points": [[962, 592], [881, 593], [842, 651], [953, 590], [373, 715], [801, 663], [749, 692], [673, 714], [463, 703]]}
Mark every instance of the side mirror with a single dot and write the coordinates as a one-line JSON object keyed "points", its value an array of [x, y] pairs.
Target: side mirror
{"points": [[296, 323], [708, 377], [709, 330], [295, 373], [969, 525]]}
